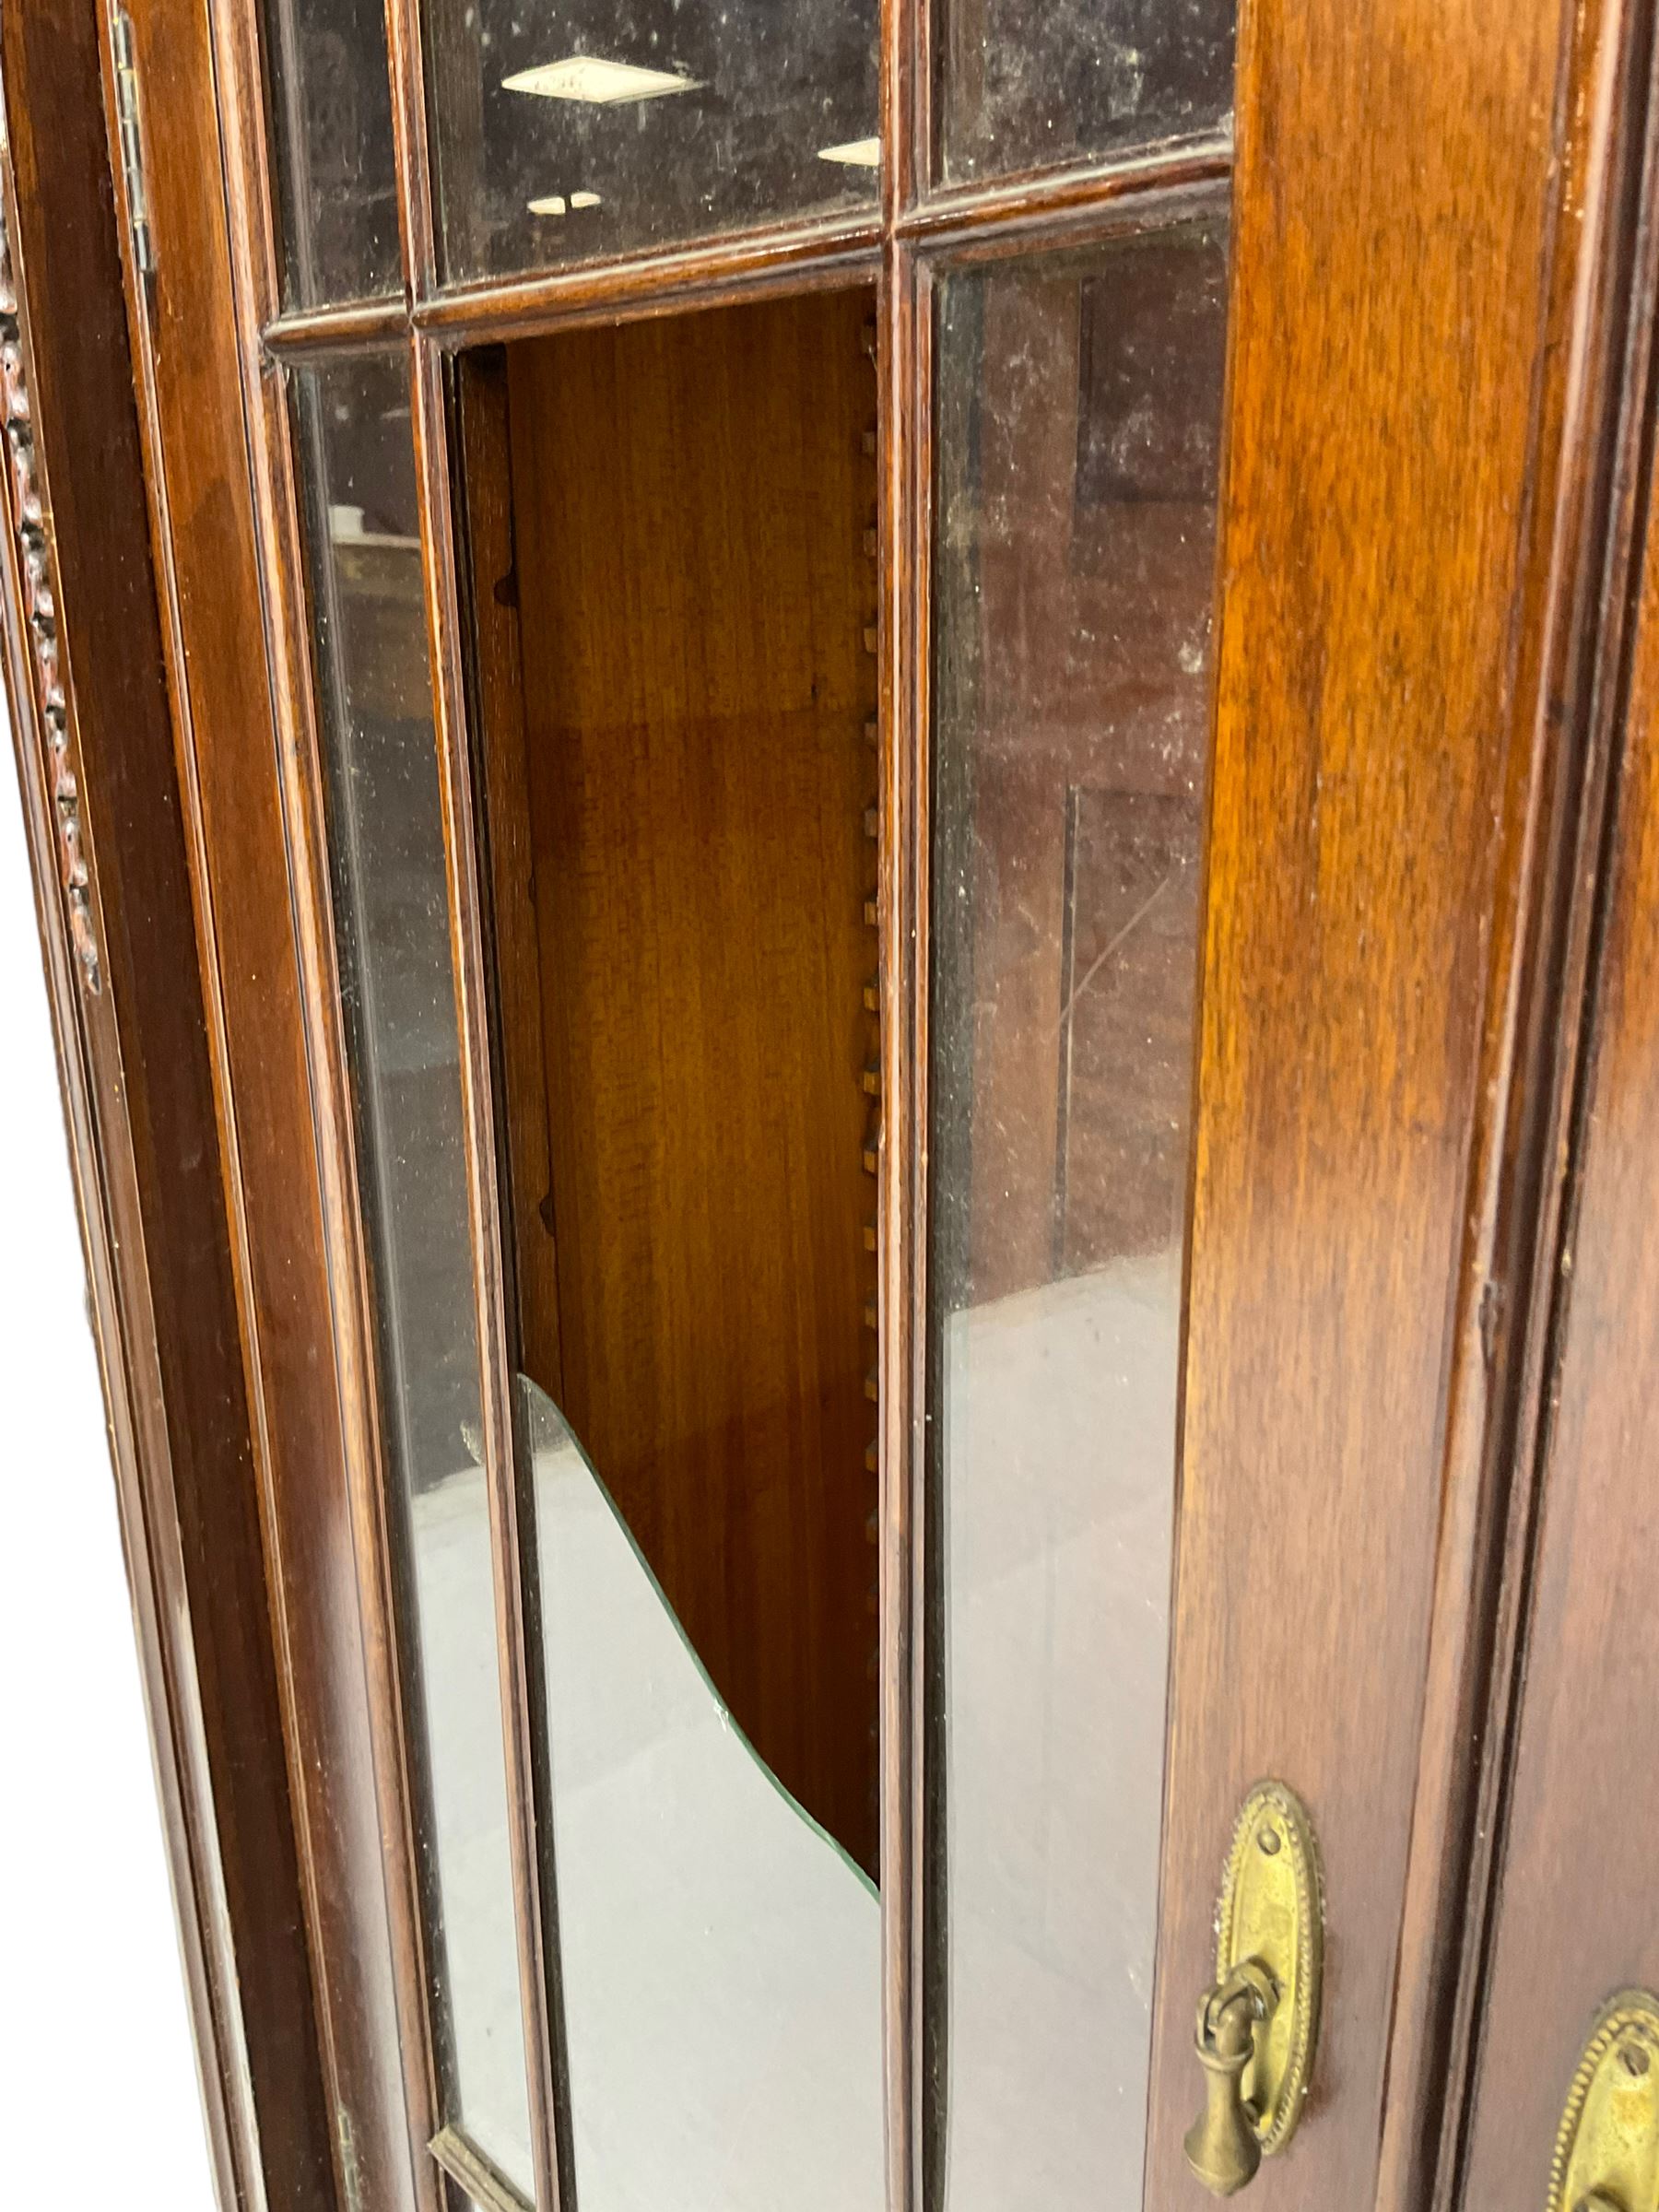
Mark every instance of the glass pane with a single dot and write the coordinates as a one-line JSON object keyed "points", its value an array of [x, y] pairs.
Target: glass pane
{"points": [[392, 914], [721, 1951], [577, 128], [332, 124], [1080, 414], [1030, 87]]}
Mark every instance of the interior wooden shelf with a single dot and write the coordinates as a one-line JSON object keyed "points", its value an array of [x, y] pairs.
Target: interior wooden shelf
{"points": [[672, 532]]}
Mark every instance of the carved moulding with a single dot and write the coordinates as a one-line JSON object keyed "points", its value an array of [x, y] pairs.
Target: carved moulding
{"points": [[37, 565]]}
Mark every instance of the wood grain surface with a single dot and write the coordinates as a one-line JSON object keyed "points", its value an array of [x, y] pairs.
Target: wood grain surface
{"points": [[1391, 222], [691, 506]]}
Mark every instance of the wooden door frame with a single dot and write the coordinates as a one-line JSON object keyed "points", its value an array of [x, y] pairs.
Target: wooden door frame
{"points": [[243, 1417]]}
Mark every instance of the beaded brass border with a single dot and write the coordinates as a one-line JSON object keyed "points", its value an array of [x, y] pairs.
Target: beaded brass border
{"points": [[1281, 1802], [1633, 2016]]}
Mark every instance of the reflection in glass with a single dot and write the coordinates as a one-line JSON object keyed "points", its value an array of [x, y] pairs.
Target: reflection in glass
{"points": [[391, 918], [721, 1952], [1078, 417], [1030, 87], [332, 124], [590, 127]]}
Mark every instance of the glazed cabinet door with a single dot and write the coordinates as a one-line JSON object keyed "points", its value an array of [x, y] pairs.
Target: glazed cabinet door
{"points": [[873, 704], [1214, 872]]}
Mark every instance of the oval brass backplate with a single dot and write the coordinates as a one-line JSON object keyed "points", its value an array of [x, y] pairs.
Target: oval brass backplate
{"points": [[1273, 1912], [1608, 2150]]}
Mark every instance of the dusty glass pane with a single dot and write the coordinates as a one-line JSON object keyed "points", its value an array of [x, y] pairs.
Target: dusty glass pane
{"points": [[390, 913], [330, 120], [566, 129], [1030, 87], [1078, 421]]}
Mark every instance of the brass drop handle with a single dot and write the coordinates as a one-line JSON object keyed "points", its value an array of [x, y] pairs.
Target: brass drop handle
{"points": [[1258, 2023], [1607, 2153], [1222, 2147]]}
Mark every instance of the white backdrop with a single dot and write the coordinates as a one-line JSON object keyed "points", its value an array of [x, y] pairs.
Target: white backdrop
{"points": [[95, 2052]]}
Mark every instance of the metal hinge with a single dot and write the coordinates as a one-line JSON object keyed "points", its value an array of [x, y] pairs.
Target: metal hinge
{"points": [[132, 140], [350, 2167]]}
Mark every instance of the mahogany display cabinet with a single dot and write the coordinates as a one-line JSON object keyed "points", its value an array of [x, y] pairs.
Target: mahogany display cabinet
{"points": [[847, 830]]}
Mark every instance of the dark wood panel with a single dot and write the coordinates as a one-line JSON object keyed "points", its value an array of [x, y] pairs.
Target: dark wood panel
{"points": [[1578, 1910], [1394, 221], [694, 514]]}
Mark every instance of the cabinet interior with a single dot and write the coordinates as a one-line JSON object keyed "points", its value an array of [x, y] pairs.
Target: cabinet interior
{"points": [[671, 533]]}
